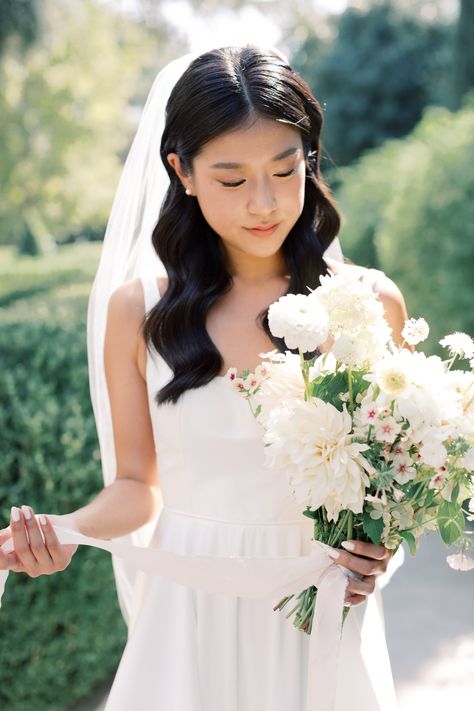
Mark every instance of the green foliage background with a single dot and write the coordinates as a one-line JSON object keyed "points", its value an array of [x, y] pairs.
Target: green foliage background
{"points": [[408, 208], [59, 634], [66, 102]]}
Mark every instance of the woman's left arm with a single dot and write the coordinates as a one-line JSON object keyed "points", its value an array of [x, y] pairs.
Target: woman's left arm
{"points": [[369, 559]]}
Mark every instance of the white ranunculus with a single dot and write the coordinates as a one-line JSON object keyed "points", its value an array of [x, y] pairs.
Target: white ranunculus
{"points": [[300, 320], [415, 331], [459, 344], [312, 441]]}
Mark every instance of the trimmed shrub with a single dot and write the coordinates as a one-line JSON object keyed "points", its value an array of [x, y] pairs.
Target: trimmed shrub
{"points": [[60, 634]]}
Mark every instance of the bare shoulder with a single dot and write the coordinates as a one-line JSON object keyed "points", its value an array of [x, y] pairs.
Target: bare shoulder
{"points": [[126, 311], [128, 299]]}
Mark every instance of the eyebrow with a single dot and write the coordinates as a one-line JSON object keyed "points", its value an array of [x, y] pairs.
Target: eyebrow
{"points": [[280, 156]]}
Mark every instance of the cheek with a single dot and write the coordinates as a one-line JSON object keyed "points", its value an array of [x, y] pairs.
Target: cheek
{"points": [[218, 209]]}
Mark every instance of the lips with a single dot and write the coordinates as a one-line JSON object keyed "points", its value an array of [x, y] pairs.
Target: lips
{"points": [[263, 229]]}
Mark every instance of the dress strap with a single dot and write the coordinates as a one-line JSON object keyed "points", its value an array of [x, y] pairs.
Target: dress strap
{"points": [[150, 290]]}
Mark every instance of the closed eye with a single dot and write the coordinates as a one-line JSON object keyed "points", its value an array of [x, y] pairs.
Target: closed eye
{"points": [[278, 175]]}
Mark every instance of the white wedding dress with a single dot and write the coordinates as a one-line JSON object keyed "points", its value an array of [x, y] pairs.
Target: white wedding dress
{"points": [[190, 650]]}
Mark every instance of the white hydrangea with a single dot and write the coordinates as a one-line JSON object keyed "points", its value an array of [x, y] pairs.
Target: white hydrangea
{"points": [[356, 319], [415, 331], [312, 441], [459, 344], [300, 320], [350, 302]]}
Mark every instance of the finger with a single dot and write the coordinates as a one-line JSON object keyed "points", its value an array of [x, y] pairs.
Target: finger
{"points": [[14, 564], [58, 551], [366, 586], [37, 544], [364, 566], [5, 534], [355, 600], [20, 541], [370, 550]]}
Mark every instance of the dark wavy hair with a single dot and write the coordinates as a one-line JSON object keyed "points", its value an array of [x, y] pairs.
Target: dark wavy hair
{"points": [[221, 90]]}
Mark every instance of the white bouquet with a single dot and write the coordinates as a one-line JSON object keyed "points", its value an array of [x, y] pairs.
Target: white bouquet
{"points": [[377, 441]]}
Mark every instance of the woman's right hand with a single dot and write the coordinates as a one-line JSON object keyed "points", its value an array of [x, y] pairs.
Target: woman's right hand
{"points": [[36, 552]]}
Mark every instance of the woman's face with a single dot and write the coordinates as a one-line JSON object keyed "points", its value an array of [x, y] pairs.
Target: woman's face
{"points": [[265, 167]]}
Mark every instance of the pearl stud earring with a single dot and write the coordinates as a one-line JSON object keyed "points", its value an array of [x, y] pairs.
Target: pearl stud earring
{"points": [[187, 191]]}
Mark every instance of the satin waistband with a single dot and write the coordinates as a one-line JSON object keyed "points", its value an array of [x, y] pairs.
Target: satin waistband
{"points": [[212, 519]]}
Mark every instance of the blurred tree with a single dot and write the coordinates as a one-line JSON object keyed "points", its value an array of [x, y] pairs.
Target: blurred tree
{"points": [[463, 79], [408, 208], [64, 121], [375, 76], [19, 18]]}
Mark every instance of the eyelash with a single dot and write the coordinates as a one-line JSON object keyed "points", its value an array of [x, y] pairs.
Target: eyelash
{"points": [[278, 175]]}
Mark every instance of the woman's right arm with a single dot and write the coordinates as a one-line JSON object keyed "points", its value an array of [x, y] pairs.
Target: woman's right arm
{"points": [[134, 496]]}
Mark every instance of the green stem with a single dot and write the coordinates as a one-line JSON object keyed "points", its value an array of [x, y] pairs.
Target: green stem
{"points": [[351, 401], [350, 525], [304, 370]]}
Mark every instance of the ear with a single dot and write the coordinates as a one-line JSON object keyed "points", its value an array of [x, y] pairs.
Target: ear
{"points": [[174, 161]]}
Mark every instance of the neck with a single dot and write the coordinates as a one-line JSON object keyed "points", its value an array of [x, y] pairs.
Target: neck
{"points": [[255, 271]]}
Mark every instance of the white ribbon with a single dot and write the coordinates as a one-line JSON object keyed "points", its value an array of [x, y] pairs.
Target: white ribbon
{"points": [[252, 577]]}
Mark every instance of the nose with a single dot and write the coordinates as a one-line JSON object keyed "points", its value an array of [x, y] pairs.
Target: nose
{"points": [[262, 201]]}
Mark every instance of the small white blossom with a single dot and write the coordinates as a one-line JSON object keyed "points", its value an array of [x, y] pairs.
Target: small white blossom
{"points": [[238, 384], [459, 344], [300, 320], [387, 429], [433, 453], [468, 459], [415, 331], [403, 469]]}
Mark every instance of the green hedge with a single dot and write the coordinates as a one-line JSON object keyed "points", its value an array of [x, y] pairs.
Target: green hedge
{"points": [[408, 208], [61, 634]]}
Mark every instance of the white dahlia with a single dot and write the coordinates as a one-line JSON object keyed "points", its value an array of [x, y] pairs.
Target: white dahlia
{"points": [[312, 441], [300, 320]]}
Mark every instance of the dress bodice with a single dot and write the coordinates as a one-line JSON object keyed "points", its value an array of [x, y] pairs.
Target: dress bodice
{"points": [[210, 451]]}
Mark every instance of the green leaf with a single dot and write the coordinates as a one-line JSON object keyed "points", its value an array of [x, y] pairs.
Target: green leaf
{"points": [[328, 387], [373, 528], [410, 539], [455, 493], [450, 521]]}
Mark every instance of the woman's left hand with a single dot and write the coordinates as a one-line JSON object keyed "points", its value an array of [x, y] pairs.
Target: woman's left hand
{"points": [[367, 559]]}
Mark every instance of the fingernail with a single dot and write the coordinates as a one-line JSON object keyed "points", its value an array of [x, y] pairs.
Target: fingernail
{"points": [[42, 519], [347, 604], [333, 554], [27, 512], [15, 514], [348, 545]]}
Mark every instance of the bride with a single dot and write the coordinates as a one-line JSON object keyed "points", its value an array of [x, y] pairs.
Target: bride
{"points": [[221, 209]]}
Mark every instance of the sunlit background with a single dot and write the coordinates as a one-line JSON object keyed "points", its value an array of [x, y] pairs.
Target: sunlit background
{"points": [[396, 80]]}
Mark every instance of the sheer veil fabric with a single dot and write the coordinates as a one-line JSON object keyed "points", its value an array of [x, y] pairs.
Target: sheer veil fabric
{"points": [[127, 253]]}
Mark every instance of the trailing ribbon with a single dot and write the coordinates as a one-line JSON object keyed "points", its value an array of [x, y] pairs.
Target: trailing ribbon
{"points": [[251, 577]]}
